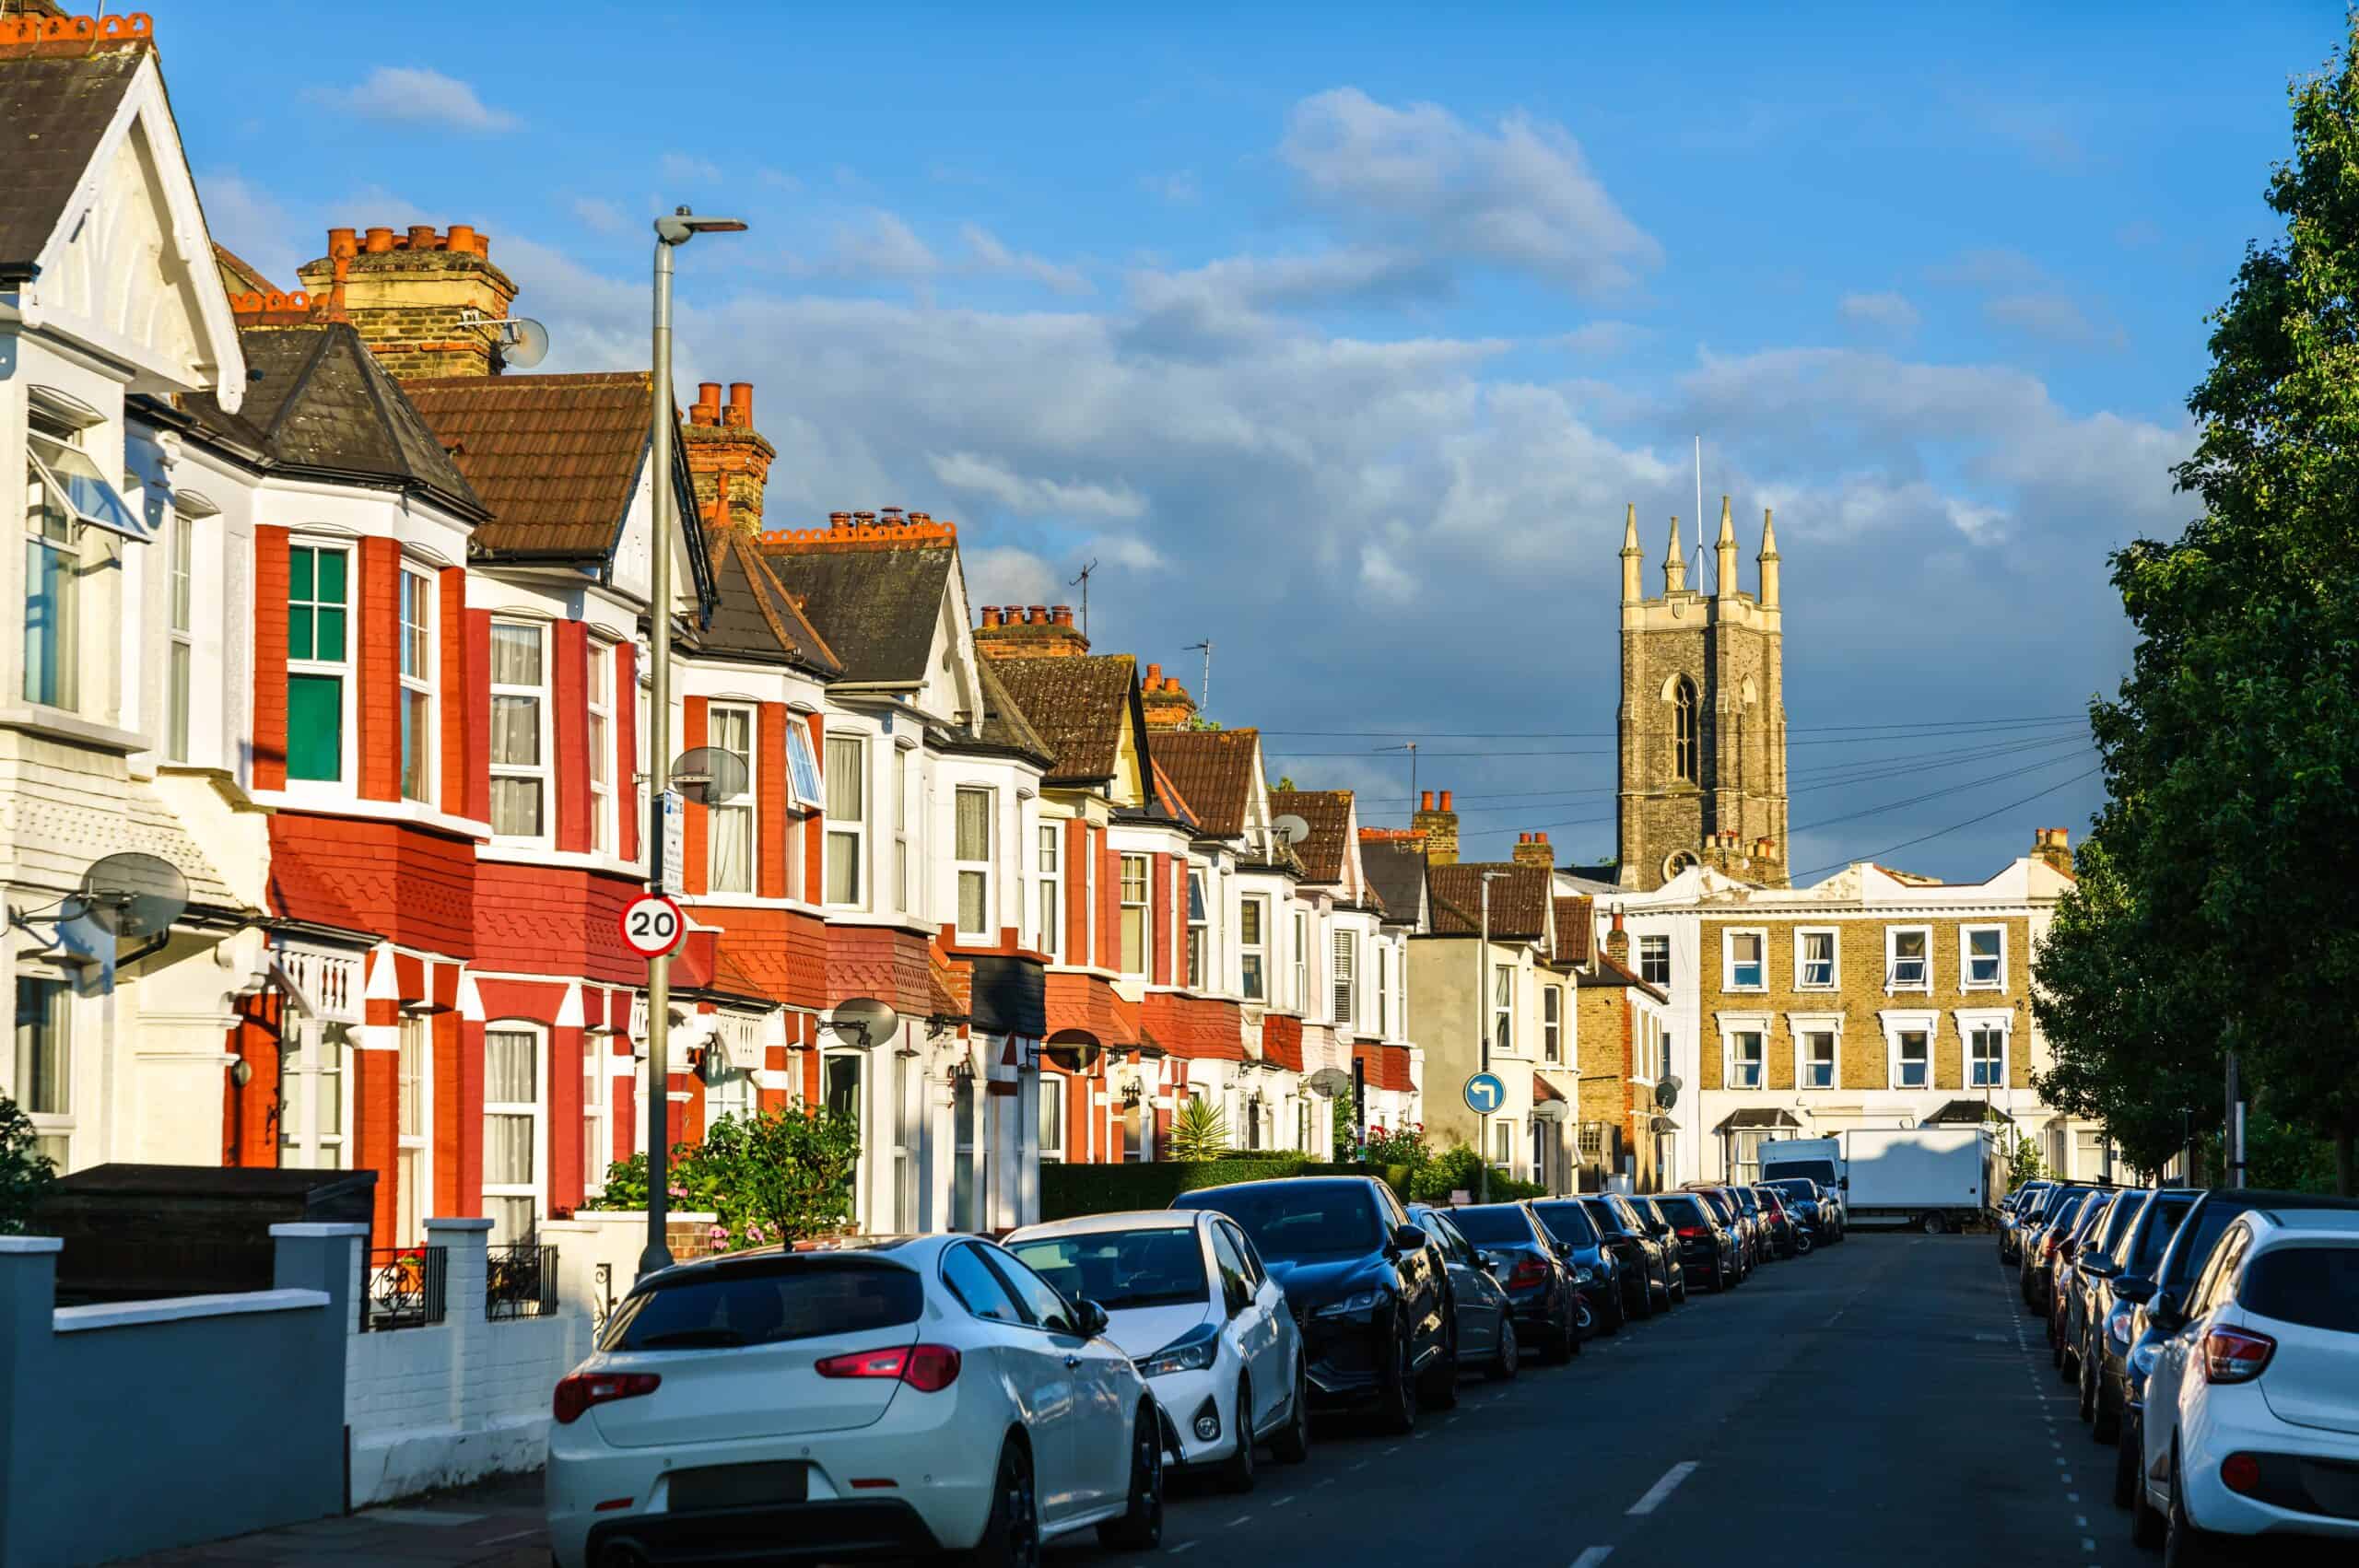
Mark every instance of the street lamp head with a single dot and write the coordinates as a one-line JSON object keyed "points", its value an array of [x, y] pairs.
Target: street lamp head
{"points": [[680, 226]]}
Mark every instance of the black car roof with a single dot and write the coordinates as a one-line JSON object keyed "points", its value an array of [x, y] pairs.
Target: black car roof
{"points": [[1180, 1200]]}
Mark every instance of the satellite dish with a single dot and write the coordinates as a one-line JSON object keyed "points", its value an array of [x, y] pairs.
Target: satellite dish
{"points": [[1667, 1093], [864, 1022], [1291, 828], [1330, 1081], [1073, 1050], [708, 775], [132, 896], [1550, 1110], [524, 343]]}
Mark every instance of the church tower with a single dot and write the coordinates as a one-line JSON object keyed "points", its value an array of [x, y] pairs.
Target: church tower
{"points": [[1703, 722]]}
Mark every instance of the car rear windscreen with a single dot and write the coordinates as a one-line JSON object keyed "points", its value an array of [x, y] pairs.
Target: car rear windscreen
{"points": [[2162, 1223], [1568, 1223], [1819, 1170], [2317, 1287], [1793, 1189], [1156, 1266], [1681, 1211], [1294, 1220], [1497, 1225], [762, 1303]]}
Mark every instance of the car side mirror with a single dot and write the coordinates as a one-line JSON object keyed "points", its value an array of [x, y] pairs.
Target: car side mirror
{"points": [[1406, 1238], [2163, 1312], [1093, 1318], [2130, 1287]]}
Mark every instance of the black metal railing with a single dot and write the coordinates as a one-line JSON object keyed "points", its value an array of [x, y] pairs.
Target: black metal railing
{"points": [[520, 1281], [402, 1287]]}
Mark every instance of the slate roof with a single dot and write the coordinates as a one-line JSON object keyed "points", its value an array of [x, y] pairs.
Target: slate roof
{"points": [[1576, 929], [56, 102], [1005, 726], [1213, 770], [317, 401], [555, 458], [753, 615], [1519, 900], [1079, 707], [877, 607], [1329, 812], [1965, 1113], [1396, 870]]}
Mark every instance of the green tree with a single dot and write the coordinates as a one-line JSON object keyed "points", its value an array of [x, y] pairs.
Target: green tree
{"points": [[774, 1176], [1347, 1132], [2231, 760], [25, 1172], [1198, 1131]]}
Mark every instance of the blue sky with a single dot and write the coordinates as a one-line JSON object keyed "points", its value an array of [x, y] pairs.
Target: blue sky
{"points": [[1342, 335]]}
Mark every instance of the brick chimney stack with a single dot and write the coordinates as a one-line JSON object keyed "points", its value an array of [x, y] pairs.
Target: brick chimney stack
{"points": [[426, 303], [1041, 631], [1617, 941], [1533, 850], [1439, 826], [729, 461], [2053, 846], [1167, 704]]}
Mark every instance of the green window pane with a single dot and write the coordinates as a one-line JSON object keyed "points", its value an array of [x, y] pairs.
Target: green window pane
{"points": [[314, 726], [298, 632], [332, 576], [331, 638], [298, 573]]}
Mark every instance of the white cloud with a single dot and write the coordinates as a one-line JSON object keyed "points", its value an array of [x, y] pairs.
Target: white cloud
{"points": [[1603, 339], [409, 95], [2051, 318], [1886, 312], [1987, 267], [1034, 498], [1179, 188], [689, 167], [600, 214], [991, 256], [1521, 197], [1002, 574], [877, 245]]}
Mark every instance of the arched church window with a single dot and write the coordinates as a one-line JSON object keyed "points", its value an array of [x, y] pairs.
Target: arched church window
{"points": [[1683, 743]]}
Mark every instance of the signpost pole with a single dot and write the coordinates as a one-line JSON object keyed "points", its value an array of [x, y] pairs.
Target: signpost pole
{"points": [[1483, 1017], [657, 1253]]}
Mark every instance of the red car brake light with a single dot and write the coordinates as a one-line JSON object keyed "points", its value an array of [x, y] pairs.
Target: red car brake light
{"points": [[2234, 1355], [929, 1369], [1690, 1233], [583, 1389], [1528, 1273]]}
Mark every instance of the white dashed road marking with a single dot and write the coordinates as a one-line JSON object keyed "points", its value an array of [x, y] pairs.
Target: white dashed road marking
{"points": [[1592, 1557], [1663, 1488]]}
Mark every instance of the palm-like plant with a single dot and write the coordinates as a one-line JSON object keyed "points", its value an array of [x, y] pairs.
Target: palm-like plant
{"points": [[1198, 1131]]}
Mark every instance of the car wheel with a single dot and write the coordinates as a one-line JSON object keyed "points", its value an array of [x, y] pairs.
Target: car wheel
{"points": [[1292, 1445], [1236, 1473], [1509, 1359], [2184, 1546], [2087, 1387], [2105, 1416], [1646, 1297], [1934, 1225], [2125, 1461], [1141, 1528], [2146, 1526], [1011, 1534], [1400, 1396], [1441, 1380]]}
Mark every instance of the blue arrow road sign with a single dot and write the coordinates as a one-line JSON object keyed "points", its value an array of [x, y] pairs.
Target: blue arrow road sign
{"points": [[1485, 1094]]}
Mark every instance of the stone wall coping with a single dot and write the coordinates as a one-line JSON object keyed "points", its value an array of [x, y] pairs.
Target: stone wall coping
{"points": [[31, 1245], [171, 1309], [309, 1229], [639, 1217], [455, 1223]]}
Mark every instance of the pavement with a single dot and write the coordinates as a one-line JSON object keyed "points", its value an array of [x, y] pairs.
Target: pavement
{"points": [[1886, 1401]]}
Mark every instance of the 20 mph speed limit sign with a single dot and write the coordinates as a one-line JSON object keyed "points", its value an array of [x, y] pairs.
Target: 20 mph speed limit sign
{"points": [[653, 926]]}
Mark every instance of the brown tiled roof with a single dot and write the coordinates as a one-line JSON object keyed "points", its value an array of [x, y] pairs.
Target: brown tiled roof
{"points": [[1519, 900], [753, 615], [1329, 812], [1575, 927], [1079, 707], [56, 102], [1173, 800], [1214, 769], [1004, 725], [555, 458], [1544, 1091]]}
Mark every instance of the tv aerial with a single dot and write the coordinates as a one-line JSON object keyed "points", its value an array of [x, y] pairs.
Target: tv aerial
{"points": [[710, 774]]}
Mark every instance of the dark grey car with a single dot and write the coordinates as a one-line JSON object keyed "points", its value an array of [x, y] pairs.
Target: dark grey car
{"points": [[1486, 1320]]}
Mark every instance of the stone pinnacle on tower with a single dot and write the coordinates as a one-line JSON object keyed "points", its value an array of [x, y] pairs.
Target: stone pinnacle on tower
{"points": [[1724, 583], [1768, 559], [1632, 559], [1674, 565]]}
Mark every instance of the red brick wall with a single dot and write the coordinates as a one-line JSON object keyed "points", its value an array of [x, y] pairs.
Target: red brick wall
{"points": [[1110, 904], [769, 799], [692, 727], [815, 826], [564, 1102], [476, 700], [626, 721], [880, 962], [270, 659], [376, 1108], [454, 699], [556, 920], [783, 951], [407, 883], [1077, 911], [572, 732], [458, 1117], [1159, 920], [378, 631]]}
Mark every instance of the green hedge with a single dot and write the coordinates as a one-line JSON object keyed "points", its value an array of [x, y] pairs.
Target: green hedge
{"points": [[1067, 1190]]}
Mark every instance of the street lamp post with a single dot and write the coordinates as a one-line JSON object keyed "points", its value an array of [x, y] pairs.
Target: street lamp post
{"points": [[671, 232]]}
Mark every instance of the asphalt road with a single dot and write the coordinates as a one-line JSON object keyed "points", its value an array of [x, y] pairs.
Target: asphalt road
{"points": [[1885, 1401]]}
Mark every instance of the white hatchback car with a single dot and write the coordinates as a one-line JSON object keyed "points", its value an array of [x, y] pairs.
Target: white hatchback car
{"points": [[1186, 1296], [889, 1396], [2252, 1407]]}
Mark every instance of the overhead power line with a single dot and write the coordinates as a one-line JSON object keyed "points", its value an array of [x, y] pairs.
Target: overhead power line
{"points": [[1929, 731], [1945, 832], [1609, 735]]}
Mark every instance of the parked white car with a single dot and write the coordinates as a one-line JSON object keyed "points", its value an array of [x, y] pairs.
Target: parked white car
{"points": [[902, 1395], [1186, 1296], [2252, 1405]]}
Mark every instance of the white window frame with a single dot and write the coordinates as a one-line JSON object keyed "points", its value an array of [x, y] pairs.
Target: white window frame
{"points": [[537, 1110], [965, 867], [1302, 962], [413, 580], [597, 1111], [600, 698], [1198, 952], [1047, 888], [1089, 853], [346, 670], [2000, 1021], [1552, 1022], [1145, 904], [1663, 939], [180, 653], [1966, 981], [1259, 989], [57, 1127], [543, 772], [1052, 1093], [742, 803], [1383, 987], [1899, 1022], [1731, 1025], [1343, 975], [299, 1126], [414, 1125], [1803, 1025], [1834, 981], [1728, 959], [1503, 978], [806, 791], [901, 834], [847, 835], [49, 500], [731, 1092], [1893, 984]]}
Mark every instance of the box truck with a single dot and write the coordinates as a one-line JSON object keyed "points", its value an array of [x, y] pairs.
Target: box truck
{"points": [[1929, 1178]]}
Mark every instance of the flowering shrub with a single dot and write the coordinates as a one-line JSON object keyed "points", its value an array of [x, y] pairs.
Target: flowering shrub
{"points": [[1402, 1146], [771, 1178]]}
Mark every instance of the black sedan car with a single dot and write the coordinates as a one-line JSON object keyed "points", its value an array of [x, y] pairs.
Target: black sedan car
{"points": [[1597, 1274], [1486, 1335], [2014, 1209], [1722, 1203], [1650, 1274], [2050, 1221], [1707, 1247], [1807, 1204], [1370, 1291], [1539, 1281], [2113, 1305]]}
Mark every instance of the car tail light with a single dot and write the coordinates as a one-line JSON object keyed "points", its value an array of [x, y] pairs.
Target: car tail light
{"points": [[583, 1389], [1691, 1233], [929, 1369], [2231, 1355], [1530, 1272], [2240, 1472]]}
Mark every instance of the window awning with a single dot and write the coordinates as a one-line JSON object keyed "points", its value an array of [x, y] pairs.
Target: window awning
{"points": [[75, 486], [64, 407], [1965, 1113], [1756, 1121]]}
